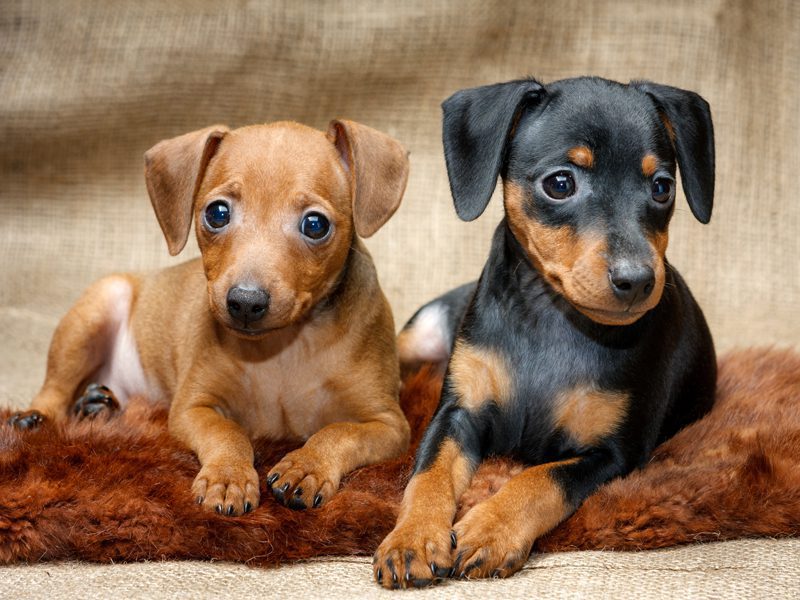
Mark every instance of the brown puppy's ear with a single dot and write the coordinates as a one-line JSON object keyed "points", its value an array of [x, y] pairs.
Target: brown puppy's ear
{"points": [[378, 169], [173, 170]]}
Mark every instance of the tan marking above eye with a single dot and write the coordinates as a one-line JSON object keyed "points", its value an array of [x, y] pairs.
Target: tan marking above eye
{"points": [[479, 375], [649, 165], [581, 156], [587, 414]]}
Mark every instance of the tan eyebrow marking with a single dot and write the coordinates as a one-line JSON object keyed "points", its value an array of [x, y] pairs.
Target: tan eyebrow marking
{"points": [[649, 165], [581, 156]]}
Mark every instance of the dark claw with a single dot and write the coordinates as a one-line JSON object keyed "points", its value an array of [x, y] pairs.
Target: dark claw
{"points": [[453, 540], [218, 509], [317, 500], [230, 510], [380, 576], [496, 574], [296, 503], [273, 478], [280, 493], [247, 506], [439, 572], [27, 420], [298, 491]]}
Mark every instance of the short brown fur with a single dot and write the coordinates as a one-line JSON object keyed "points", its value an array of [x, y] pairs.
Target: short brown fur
{"points": [[587, 415], [649, 165], [479, 375], [581, 156], [321, 367]]}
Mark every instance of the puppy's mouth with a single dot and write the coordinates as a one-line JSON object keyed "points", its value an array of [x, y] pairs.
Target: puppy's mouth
{"points": [[250, 332], [611, 317]]}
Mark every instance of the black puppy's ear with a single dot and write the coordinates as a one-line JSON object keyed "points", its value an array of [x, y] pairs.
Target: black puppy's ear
{"points": [[688, 116], [476, 127]]}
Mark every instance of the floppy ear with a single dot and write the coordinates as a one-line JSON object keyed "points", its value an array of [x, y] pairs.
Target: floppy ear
{"points": [[378, 169], [477, 124], [173, 170], [689, 117]]}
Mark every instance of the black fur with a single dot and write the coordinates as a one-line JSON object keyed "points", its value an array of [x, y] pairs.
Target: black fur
{"points": [[665, 360]]}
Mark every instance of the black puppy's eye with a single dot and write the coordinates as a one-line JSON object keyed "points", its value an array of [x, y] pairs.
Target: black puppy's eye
{"points": [[559, 186], [218, 214], [662, 190], [315, 226]]}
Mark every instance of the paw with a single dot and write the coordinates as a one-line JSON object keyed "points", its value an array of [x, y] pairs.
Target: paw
{"points": [[487, 545], [28, 419], [414, 556], [227, 489], [96, 399], [302, 479]]}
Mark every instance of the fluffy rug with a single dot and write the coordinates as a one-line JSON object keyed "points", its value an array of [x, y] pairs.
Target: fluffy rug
{"points": [[118, 490]]}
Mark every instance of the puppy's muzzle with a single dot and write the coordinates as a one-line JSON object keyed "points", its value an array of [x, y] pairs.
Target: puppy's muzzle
{"points": [[247, 306], [631, 283]]}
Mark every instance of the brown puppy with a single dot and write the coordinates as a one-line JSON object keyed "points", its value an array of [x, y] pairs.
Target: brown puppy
{"points": [[280, 329]]}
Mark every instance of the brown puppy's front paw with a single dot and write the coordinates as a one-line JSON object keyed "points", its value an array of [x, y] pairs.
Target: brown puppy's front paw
{"points": [[487, 546], [27, 419], [302, 479], [96, 399], [227, 489], [414, 556]]}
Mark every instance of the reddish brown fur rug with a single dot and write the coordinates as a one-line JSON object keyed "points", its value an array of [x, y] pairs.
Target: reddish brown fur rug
{"points": [[119, 490]]}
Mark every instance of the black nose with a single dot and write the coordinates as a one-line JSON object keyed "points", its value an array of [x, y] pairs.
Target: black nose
{"points": [[631, 282], [247, 305]]}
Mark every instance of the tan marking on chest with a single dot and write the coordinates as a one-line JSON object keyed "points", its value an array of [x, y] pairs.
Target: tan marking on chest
{"points": [[587, 414], [479, 375]]}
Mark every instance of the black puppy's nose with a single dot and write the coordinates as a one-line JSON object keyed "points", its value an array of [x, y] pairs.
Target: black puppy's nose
{"points": [[247, 305], [631, 282]]}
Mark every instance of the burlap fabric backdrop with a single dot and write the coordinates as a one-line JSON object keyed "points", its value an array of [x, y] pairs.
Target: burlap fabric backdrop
{"points": [[87, 87]]}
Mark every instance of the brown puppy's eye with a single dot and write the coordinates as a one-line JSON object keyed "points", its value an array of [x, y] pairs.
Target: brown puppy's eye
{"points": [[559, 186], [218, 214], [315, 226], [662, 190]]}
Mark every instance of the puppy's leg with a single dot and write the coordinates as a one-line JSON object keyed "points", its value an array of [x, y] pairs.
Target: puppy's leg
{"points": [[227, 482], [79, 346], [310, 475], [418, 550], [495, 538]]}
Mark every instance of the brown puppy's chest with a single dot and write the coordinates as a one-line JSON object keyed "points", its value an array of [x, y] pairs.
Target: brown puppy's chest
{"points": [[296, 391]]}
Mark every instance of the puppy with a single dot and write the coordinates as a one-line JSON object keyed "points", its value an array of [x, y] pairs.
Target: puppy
{"points": [[580, 347], [280, 329]]}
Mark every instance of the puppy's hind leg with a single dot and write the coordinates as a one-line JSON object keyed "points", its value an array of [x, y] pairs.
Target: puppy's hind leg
{"points": [[81, 344], [428, 336]]}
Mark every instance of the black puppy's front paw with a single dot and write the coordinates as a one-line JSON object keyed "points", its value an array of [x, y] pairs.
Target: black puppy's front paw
{"points": [[29, 419], [96, 399]]}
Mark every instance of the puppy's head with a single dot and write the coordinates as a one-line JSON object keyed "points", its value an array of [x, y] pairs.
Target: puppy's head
{"points": [[588, 168], [275, 209]]}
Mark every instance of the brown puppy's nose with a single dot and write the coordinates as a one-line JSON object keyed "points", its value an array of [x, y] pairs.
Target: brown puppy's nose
{"points": [[247, 305], [631, 282]]}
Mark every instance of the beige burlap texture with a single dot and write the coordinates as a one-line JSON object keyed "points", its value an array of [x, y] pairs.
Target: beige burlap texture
{"points": [[86, 87]]}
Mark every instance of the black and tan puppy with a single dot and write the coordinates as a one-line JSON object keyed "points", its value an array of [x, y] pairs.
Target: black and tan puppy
{"points": [[580, 347], [279, 329]]}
